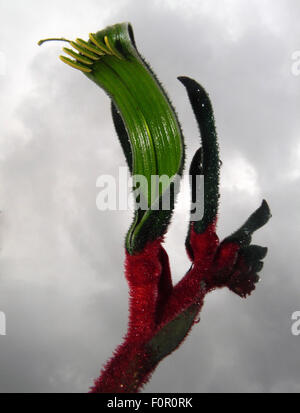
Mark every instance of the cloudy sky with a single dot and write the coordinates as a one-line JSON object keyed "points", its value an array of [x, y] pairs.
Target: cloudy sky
{"points": [[61, 260]]}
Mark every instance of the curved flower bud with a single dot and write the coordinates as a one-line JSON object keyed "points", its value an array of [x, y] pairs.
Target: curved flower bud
{"points": [[151, 135]]}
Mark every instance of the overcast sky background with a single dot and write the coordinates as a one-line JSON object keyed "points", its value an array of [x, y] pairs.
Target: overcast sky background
{"points": [[61, 275]]}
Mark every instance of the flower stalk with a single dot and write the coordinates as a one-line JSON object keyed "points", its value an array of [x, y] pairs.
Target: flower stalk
{"points": [[160, 314]]}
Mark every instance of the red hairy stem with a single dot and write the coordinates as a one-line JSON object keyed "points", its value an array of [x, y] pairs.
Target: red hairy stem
{"points": [[149, 279], [155, 305], [143, 272], [126, 371], [193, 287], [153, 302]]}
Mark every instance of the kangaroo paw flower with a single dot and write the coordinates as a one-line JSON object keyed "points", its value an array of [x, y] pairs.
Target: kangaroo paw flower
{"points": [[160, 314]]}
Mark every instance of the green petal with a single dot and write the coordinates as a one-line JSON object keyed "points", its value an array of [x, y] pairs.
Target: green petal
{"points": [[148, 119]]}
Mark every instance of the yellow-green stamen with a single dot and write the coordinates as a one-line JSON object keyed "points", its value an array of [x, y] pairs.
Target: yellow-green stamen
{"points": [[113, 51], [90, 47], [85, 52], [98, 44], [75, 65], [77, 56]]}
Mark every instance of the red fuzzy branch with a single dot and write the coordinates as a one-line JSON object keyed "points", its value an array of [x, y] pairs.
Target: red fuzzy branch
{"points": [[143, 273], [155, 304]]}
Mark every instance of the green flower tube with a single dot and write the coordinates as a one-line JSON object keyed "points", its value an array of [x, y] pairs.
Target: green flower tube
{"points": [[110, 59]]}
